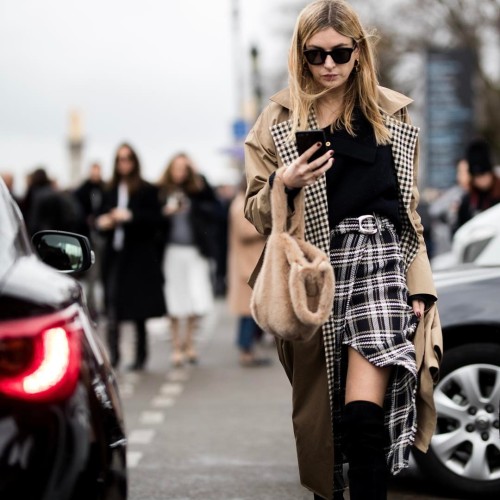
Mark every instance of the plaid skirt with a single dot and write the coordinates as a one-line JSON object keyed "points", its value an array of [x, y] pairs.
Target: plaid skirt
{"points": [[372, 315]]}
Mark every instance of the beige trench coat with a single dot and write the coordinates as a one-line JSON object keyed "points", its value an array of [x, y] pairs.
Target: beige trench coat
{"points": [[304, 363], [245, 248]]}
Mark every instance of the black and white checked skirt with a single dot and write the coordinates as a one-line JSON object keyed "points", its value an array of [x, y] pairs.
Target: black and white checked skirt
{"points": [[372, 315]]}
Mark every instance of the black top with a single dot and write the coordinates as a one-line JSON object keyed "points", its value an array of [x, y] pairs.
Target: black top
{"points": [[362, 179]]}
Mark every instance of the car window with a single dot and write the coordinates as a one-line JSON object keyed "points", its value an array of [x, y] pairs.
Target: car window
{"points": [[13, 241], [490, 256]]}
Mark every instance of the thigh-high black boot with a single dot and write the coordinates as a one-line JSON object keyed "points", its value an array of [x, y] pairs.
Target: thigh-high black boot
{"points": [[363, 439]]}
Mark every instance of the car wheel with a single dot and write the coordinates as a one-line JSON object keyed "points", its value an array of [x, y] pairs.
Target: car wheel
{"points": [[465, 450]]}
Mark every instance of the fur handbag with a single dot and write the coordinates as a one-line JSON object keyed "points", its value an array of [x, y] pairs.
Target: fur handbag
{"points": [[293, 293]]}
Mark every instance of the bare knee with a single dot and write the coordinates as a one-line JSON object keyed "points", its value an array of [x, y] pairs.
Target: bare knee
{"points": [[365, 381]]}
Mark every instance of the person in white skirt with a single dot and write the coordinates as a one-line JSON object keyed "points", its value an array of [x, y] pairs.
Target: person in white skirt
{"points": [[188, 208]]}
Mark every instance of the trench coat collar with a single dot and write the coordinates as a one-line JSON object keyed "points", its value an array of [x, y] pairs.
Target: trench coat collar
{"points": [[389, 100]]}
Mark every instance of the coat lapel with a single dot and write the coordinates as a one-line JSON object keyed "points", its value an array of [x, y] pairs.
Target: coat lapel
{"points": [[404, 142], [316, 203], [316, 232]]}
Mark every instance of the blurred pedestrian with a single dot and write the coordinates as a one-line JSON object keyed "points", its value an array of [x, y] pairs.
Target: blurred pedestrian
{"points": [[225, 194], [130, 220], [245, 248], [45, 206], [189, 204], [354, 383], [89, 195], [484, 185], [443, 208]]}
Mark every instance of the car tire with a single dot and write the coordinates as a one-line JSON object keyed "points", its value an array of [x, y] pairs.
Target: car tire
{"points": [[465, 450]]}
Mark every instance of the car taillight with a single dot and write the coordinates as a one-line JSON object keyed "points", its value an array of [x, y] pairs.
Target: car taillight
{"points": [[40, 357]]}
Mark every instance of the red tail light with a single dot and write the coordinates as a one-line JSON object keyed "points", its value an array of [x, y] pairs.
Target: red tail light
{"points": [[40, 357]]}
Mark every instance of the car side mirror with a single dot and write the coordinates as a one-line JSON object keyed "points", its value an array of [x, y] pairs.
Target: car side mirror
{"points": [[66, 252]]}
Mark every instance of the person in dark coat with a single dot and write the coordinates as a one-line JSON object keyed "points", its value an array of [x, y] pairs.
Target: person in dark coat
{"points": [[47, 207], [130, 220], [484, 189], [89, 195]]}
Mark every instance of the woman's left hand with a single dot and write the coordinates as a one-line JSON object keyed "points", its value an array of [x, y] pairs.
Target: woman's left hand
{"points": [[418, 307]]}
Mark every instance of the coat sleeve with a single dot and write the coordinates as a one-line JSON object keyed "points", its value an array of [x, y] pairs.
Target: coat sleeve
{"points": [[429, 353], [146, 209], [243, 230], [260, 162], [419, 276]]}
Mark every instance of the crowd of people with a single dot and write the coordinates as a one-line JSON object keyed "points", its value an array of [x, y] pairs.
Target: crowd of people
{"points": [[168, 248], [476, 188], [161, 249]]}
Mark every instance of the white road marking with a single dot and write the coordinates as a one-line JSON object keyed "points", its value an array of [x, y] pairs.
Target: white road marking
{"points": [[162, 402], [151, 417], [131, 377], [126, 390], [133, 458], [167, 392], [141, 436], [171, 389], [178, 376]]}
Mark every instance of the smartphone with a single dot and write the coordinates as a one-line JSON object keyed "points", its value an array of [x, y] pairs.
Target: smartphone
{"points": [[307, 138]]}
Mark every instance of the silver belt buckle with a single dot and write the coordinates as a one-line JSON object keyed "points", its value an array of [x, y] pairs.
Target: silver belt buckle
{"points": [[364, 230]]}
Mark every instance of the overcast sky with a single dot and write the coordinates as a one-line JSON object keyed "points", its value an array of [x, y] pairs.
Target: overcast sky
{"points": [[157, 73]]}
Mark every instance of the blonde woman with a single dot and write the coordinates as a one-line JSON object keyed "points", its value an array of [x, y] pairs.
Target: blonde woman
{"points": [[188, 211], [355, 384]]}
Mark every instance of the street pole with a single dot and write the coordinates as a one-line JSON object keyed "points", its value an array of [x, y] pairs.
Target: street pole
{"points": [[238, 69], [256, 83]]}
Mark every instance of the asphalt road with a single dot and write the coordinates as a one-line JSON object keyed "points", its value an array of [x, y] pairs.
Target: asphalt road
{"points": [[217, 430]]}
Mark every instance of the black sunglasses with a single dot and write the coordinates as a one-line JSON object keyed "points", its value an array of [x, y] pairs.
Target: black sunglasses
{"points": [[340, 55]]}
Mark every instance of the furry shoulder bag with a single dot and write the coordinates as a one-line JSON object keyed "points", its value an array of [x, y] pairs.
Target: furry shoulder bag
{"points": [[293, 293]]}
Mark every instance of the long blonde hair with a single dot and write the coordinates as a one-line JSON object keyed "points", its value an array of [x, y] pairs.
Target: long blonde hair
{"points": [[362, 83]]}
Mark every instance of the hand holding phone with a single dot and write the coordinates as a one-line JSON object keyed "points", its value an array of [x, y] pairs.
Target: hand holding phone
{"points": [[307, 169], [307, 138]]}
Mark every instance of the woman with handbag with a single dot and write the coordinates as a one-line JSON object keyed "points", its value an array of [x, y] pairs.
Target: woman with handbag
{"points": [[356, 384]]}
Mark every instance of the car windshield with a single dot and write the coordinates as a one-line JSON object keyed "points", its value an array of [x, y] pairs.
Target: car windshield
{"points": [[12, 242]]}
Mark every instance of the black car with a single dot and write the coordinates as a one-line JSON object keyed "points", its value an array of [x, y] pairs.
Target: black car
{"points": [[465, 451], [62, 434]]}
